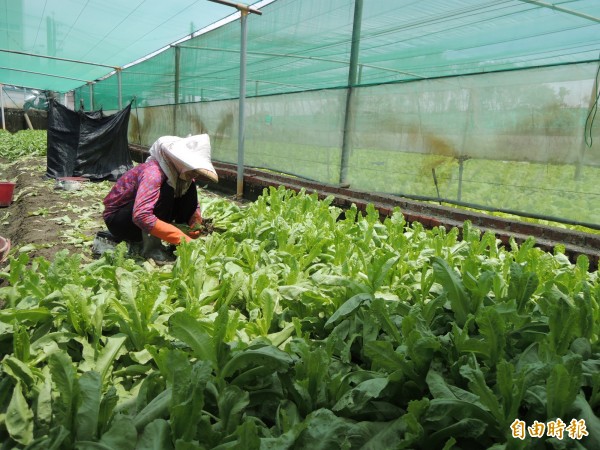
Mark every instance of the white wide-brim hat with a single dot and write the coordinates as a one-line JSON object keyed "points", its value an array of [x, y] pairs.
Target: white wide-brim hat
{"points": [[193, 153]]}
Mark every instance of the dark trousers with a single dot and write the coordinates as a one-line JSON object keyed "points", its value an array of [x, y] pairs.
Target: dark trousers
{"points": [[168, 209]]}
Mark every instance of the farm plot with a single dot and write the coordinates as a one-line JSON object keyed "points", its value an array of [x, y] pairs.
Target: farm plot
{"points": [[297, 325], [43, 218]]}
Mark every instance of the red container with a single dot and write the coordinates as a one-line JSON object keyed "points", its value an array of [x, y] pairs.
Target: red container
{"points": [[6, 192]]}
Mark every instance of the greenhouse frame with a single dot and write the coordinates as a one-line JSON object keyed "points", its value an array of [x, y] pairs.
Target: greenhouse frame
{"points": [[404, 254], [487, 104]]}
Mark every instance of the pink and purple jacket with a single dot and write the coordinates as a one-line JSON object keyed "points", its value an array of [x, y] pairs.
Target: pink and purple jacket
{"points": [[141, 184]]}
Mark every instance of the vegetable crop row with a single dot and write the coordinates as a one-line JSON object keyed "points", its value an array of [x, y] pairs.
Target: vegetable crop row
{"points": [[22, 143], [299, 325]]}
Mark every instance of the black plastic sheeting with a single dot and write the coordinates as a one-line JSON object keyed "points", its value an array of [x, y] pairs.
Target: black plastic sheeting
{"points": [[87, 143]]}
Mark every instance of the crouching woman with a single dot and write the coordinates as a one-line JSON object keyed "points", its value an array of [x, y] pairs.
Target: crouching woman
{"points": [[147, 200]]}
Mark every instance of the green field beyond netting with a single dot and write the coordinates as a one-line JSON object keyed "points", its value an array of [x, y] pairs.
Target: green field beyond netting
{"points": [[543, 189]]}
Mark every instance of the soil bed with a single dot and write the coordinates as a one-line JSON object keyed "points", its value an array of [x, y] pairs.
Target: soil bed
{"points": [[45, 218]]}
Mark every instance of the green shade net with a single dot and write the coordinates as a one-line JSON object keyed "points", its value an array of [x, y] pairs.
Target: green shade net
{"points": [[305, 45], [89, 39], [475, 102]]}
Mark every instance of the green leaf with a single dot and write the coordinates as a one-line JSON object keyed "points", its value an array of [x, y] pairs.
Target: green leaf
{"points": [[156, 436], [156, 409], [492, 328], [19, 418], [280, 337], [267, 357], [52, 441], [126, 305], [63, 376], [348, 307], [561, 390], [107, 407], [189, 384], [465, 428], [222, 328], [21, 343], [434, 308], [247, 434], [86, 420], [442, 390], [478, 386], [19, 371], [323, 431], [377, 435], [522, 285], [381, 272], [454, 288], [354, 400], [383, 356], [31, 315], [585, 305], [562, 320], [122, 434], [185, 445], [442, 409], [511, 389], [190, 331], [581, 409], [43, 406], [378, 307], [108, 354], [79, 311], [232, 401]]}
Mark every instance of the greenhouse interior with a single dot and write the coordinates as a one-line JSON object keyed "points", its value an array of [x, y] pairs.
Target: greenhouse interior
{"points": [[300, 224]]}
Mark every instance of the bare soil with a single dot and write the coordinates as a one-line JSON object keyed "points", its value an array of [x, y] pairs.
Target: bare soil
{"points": [[44, 218]]}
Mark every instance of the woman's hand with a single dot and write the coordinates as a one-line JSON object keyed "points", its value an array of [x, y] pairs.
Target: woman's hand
{"points": [[195, 223]]}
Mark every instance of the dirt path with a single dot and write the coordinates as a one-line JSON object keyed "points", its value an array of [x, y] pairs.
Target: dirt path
{"points": [[44, 218]]}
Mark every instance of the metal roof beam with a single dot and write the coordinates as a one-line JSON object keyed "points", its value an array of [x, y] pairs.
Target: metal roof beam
{"points": [[561, 9], [45, 74], [291, 55], [56, 58], [239, 6]]}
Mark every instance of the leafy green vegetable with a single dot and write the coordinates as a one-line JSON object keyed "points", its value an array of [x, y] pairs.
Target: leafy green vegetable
{"points": [[22, 143], [297, 325]]}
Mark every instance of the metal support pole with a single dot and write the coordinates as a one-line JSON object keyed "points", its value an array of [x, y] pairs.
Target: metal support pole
{"points": [[176, 93], [91, 90], [583, 146], [461, 162], [352, 78], [244, 11], [463, 155], [240, 161], [2, 105], [120, 88]]}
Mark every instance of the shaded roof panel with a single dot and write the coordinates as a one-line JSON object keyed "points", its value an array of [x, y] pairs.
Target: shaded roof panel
{"points": [[300, 45], [295, 45], [111, 33]]}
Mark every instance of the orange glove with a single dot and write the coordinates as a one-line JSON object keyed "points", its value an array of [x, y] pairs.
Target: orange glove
{"points": [[195, 221], [168, 233]]}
